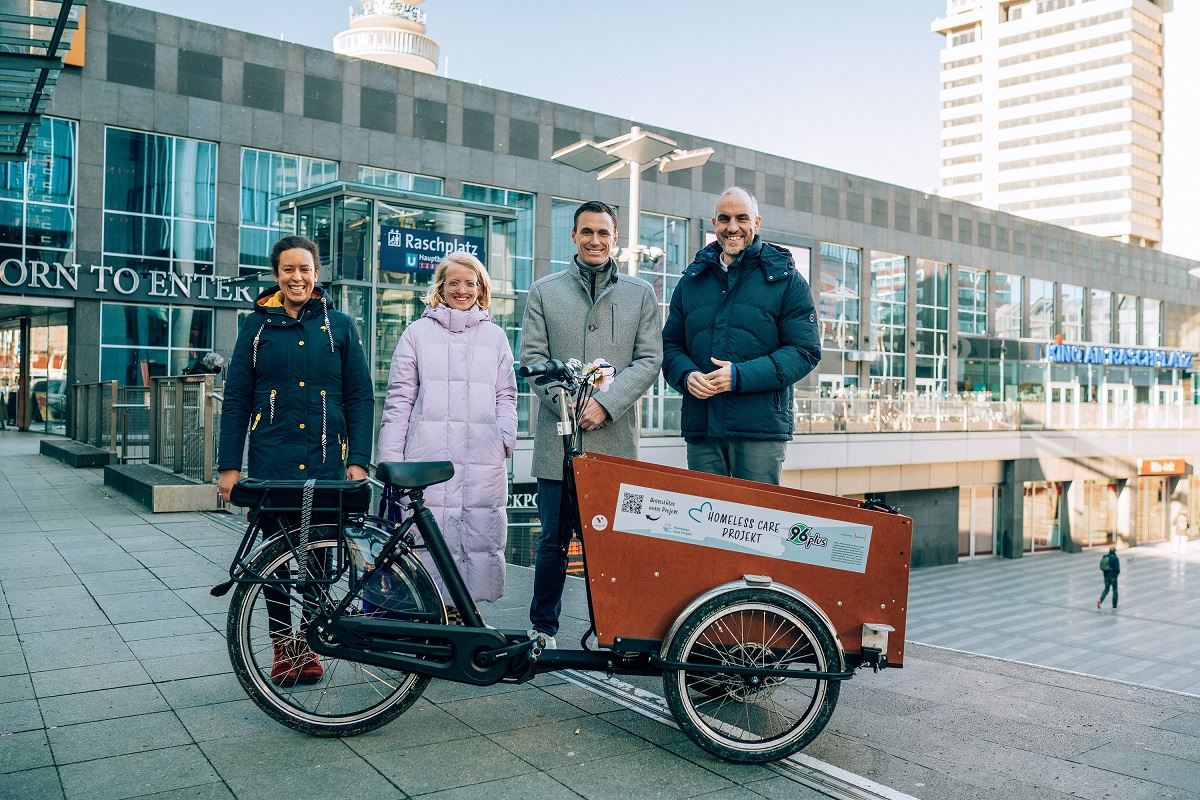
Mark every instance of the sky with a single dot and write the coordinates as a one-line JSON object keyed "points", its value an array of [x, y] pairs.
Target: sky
{"points": [[847, 84]]}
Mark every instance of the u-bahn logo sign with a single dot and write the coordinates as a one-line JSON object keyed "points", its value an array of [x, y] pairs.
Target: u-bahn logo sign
{"points": [[1117, 356]]}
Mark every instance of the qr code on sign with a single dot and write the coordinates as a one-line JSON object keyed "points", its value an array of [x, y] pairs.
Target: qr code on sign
{"points": [[632, 503]]}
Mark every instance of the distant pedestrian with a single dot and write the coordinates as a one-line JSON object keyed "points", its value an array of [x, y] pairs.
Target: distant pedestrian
{"points": [[1110, 565]]}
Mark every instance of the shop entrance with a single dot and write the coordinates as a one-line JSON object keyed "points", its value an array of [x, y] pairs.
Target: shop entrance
{"points": [[1062, 404], [1041, 528], [34, 394], [1153, 496], [977, 508], [1096, 524]]}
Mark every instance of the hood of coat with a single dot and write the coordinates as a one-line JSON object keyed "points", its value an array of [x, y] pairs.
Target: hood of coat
{"points": [[775, 261], [456, 320]]}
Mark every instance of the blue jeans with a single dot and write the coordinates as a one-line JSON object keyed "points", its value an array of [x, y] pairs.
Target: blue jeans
{"points": [[550, 564]]}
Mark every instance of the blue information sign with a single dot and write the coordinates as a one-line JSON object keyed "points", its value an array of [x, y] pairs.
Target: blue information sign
{"points": [[417, 251]]}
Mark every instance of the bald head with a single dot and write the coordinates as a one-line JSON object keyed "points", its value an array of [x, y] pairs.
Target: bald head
{"points": [[735, 222], [745, 196]]}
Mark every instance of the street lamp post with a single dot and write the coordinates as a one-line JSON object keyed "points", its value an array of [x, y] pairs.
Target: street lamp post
{"points": [[627, 156]]}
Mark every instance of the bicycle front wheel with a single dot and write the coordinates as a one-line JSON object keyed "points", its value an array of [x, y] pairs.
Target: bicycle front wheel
{"points": [[346, 698], [744, 717]]}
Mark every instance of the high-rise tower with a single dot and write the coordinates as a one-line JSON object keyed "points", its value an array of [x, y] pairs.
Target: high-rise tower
{"points": [[390, 32], [1053, 109]]}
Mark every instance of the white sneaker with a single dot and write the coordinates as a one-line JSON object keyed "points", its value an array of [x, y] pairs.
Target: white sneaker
{"points": [[550, 642]]}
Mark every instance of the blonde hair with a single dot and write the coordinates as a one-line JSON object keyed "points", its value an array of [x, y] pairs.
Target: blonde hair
{"points": [[436, 295]]}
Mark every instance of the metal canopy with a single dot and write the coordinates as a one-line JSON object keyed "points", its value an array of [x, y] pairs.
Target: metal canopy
{"points": [[32, 47], [585, 156]]}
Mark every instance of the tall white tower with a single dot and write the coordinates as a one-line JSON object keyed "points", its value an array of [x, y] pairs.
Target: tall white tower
{"points": [[1053, 109], [390, 32]]}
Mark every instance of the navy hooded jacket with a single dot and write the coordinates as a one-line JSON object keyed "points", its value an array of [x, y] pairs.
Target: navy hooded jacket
{"points": [[303, 388], [761, 318]]}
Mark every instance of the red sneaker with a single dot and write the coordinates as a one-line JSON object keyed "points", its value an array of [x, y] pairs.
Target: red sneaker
{"points": [[285, 669], [309, 668]]}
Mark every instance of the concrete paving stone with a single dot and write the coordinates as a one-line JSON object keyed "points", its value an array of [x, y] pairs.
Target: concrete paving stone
{"points": [[116, 737], [1187, 723], [12, 663], [200, 599], [190, 577], [7, 627], [20, 715], [18, 586], [777, 788], [529, 787], [174, 557], [48, 600], [22, 751], [448, 765], [652, 774], [423, 722], [122, 582], [143, 606], [158, 628], [121, 528], [734, 772], [67, 524], [645, 728], [10, 644], [447, 691], [350, 778], [102, 704], [178, 645], [235, 719], [33, 784], [189, 665], [15, 687], [74, 680], [561, 744], [86, 646], [503, 712], [114, 563], [583, 699], [207, 791], [137, 774], [272, 749], [69, 619], [1157, 767], [150, 541], [205, 690]]}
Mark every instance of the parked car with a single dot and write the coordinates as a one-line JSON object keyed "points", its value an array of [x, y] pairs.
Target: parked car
{"points": [[47, 401]]}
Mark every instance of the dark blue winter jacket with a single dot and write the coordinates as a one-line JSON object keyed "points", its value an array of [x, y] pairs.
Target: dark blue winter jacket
{"points": [[303, 388], [761, 317]]}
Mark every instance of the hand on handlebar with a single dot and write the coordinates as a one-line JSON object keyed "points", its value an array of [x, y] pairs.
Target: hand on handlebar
{"points": [[593, 417]]}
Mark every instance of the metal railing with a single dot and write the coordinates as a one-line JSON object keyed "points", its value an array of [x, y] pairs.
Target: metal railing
{"points": [[182, 424], [133, 424], [93, 416]]}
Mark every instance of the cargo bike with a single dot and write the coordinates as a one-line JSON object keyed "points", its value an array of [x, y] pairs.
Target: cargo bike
{"points": [[752, 602]]}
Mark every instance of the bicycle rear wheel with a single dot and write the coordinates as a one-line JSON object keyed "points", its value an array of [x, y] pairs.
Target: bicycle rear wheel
{"points": [[743, 717], [350, 698]]}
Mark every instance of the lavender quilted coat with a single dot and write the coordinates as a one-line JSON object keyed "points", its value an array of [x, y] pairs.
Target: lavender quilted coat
{"points": [[452, 396]]}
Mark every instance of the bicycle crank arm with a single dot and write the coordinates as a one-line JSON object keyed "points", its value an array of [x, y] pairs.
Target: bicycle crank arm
{"points": [[761, 672]]}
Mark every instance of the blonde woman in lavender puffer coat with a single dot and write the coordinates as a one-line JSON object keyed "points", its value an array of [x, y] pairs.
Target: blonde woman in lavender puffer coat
{"points": [[452, 396]]}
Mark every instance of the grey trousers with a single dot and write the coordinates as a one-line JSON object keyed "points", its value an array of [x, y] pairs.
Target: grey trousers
{"points": [[751, 459]]}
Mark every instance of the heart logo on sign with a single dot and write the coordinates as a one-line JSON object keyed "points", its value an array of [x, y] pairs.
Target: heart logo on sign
{"points": [[697, 514]]}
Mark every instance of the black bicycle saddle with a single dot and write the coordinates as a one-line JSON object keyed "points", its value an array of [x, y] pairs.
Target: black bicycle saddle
{"points": [[414, 474]]}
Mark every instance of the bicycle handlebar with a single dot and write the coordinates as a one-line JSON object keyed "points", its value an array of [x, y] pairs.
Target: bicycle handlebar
{"points": [[552, 369]]}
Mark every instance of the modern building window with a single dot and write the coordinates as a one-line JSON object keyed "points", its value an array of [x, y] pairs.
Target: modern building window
{"points": [[562, 220], [518, 239], [140, 342], [394, 179], [972, 300], [888, 312], [1041, 309], [37, 197], [1127, 319], [933, 325], [159, 202], [1151, 322], [1072, 312], [1100, 316], [267, 176], [838, 296], [1009, 319], [661, 405]]}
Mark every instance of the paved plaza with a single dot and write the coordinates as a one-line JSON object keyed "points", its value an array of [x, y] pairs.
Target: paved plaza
{"points": [[115, 683]]}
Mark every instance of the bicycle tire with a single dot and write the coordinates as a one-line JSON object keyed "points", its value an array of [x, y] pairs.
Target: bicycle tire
{"points": [[351, 698], [739, 717]]}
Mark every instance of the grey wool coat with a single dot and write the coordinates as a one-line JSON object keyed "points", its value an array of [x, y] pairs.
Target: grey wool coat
{"points": [[623, 326]]}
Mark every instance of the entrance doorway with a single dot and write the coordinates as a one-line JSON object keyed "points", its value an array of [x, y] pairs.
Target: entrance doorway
{"points": [[34, 394], [976, 521], [1062, 404], [1153, 496], [1097, 524], [1041, 528]]}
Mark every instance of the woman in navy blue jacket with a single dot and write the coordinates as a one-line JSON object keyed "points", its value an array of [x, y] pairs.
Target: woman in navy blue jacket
{"points": [[299, 380]]}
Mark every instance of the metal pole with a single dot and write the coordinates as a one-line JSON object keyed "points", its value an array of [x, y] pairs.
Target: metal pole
{"points": [[635, 206]]}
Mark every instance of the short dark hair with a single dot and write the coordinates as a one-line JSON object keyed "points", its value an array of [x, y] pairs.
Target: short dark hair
{"points": [[594, 207], [294, 243]]}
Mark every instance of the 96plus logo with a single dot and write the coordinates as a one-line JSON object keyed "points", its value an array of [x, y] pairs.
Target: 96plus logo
{"points": [[802, 534]]}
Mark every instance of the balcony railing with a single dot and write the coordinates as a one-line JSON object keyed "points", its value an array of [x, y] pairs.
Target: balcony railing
{"points": [[387, 8]]}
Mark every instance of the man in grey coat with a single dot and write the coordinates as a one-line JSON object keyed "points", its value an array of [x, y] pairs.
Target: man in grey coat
{"points": [[587, 311]]}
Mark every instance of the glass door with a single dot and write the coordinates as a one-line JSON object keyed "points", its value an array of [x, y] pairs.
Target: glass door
{"points": [[10, 370], [1062, 405], [1152, 497], [1041, 529], [1098, 523], [48, 373], [976, 521]]}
